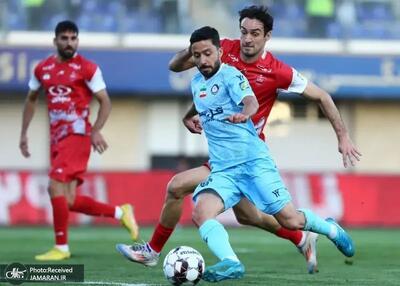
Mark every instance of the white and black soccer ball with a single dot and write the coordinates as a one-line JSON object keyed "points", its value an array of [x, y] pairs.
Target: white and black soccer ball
{"points": [[183, 266]]}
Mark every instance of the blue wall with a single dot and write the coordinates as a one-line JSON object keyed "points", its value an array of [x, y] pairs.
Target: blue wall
{"points": [[146, 72]]}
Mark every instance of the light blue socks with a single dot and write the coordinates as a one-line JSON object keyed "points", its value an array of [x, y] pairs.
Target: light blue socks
{"points": [[217, 239], [316, 224]]}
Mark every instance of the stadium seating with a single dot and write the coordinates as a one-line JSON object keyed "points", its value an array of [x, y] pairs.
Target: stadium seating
{"points": [[375, 19]]}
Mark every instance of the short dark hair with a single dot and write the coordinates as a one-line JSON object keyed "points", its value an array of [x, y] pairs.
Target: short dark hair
{"points": [[260, 13], [65, 26], [205, 33]]}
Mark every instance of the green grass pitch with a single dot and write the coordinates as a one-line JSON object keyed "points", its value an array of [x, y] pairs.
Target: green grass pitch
{"points": [[268, 259]]}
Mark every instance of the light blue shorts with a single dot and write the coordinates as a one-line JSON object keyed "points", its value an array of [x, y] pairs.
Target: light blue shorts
{"points": [[257, 180]]}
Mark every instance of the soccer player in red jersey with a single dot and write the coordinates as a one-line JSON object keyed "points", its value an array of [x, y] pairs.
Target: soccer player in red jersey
{"points": [[268, 78], [69, 81]]}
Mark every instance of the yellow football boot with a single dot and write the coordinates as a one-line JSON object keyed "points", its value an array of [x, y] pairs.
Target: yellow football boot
{"points": [[54, 254], [129, 222]]}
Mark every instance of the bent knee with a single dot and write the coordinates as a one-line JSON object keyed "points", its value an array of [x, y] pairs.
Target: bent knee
{"points": [[177, 188], [198, 217]]}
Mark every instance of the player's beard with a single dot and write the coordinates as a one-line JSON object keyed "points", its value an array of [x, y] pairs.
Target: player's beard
{"points": [[66, 53], [249, 52], [213, 71]]}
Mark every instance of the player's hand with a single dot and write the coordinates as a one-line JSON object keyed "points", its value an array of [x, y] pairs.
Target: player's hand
{"points": [[238, 118], [98, 142], [23, 146], [349, 152], [193, 124]]}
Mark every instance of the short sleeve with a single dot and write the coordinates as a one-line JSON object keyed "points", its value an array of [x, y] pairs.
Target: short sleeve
{"points": [[96, 83], [34, 83], [297, 84], [238, 85]]}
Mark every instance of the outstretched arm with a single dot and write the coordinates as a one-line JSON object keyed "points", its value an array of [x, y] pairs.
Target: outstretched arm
{"points": [[27, 115], [346, 146], [98, 142], [181, 61], [250, 107]]}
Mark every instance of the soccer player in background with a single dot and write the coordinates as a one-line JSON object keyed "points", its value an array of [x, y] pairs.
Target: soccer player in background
{"points": [[268, 77], [69, 81], [240, 160]]}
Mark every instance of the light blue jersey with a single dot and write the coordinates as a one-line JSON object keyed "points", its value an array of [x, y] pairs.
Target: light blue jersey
{"points": [[215, 99]]}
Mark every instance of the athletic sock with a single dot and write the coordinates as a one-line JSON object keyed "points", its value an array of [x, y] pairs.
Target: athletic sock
{"points": [[60, 219], [217, 239], [63, 247], [160, 237], [294, 236], [118, 213], [316, 224], [87, 205]]}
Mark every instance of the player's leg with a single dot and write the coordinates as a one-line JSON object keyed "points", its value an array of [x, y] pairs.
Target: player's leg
{"points": [[59, 204], [247, 214], [308, 220], [212, 197], [178, 188], [181, 185], [75, 149], [208, 206]]}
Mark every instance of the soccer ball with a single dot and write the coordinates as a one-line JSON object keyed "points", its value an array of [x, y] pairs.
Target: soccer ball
{"points": [[183, 266]]}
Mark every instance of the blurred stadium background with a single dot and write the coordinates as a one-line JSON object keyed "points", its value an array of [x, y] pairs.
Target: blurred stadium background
{"points": [[351, 48]]}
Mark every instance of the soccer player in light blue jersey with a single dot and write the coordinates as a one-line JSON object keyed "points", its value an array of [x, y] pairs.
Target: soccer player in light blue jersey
{"points": [[241, 163]]}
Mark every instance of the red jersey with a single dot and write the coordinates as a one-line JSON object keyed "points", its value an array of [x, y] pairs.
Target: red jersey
{"points": [[69, 87], [268, 78]]}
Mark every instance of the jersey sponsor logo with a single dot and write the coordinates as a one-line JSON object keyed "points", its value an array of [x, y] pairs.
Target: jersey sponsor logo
{"points": [[74, 66], [214, 89], [244, 85], [264, 69], [60, 93], [240, 77], [210, 113]]}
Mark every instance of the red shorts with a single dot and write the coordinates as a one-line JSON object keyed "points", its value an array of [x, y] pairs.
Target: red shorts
{"points": [[69, 158]]}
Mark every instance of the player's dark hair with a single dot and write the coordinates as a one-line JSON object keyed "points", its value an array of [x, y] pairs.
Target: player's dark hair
{"points": [[65, 26], [259, 13], [205, 33]]}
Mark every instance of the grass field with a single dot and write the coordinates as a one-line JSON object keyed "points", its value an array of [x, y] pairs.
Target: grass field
{"points": [[268, 260]]}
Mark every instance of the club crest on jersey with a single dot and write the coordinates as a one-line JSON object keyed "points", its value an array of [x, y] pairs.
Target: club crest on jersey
{"points": [[233, 58], [260, 79], [203, 92], [75, 66], [214, 89]]}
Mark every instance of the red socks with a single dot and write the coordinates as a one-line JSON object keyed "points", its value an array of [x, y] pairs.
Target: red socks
{"points": [[89, 206], [60, 219], [294, 236], [160, 237]]}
